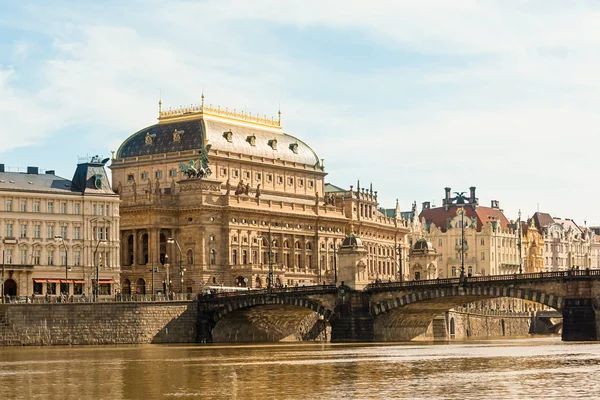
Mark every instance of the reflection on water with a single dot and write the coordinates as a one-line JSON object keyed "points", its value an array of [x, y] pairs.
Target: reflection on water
{"points": [[531, 368]]}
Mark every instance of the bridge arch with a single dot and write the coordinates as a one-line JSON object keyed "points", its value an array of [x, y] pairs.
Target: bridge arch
{"points": [[457, 295], [406, 315], [241, 303]]}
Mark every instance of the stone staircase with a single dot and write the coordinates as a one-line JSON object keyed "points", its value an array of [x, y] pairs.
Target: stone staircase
{"points": [[439, 328]]}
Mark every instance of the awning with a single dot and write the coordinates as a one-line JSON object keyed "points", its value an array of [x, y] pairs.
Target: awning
{"points": [[53, 280], [39, 280], [101, 281], [78, 281], [66, 280]]}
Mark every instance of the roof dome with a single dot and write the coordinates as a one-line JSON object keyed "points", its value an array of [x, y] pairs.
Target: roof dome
{"points": [[423, 245], [352, 240], [226, 131]]}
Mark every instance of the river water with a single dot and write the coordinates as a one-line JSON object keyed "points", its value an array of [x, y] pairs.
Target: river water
{"points": [[527, 368]]}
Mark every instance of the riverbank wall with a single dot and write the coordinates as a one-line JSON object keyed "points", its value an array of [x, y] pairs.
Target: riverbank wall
{"points": [[176, 322], [97, 323]]}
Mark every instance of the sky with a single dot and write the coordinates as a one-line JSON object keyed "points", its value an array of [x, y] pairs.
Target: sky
{"points": [[411, 96]]}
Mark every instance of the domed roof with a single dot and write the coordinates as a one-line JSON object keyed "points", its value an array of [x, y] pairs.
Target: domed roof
{"points": [[352, 240], [423, 245], [190, 131]]}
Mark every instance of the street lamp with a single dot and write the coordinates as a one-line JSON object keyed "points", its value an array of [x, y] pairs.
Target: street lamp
{"points": [[97, 285], [519, 244], [462, 242], [181, 270], [270, 244], [59, 238], [400, 277]]}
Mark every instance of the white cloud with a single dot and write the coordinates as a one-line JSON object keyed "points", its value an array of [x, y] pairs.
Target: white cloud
{"points": [[508, 104]]}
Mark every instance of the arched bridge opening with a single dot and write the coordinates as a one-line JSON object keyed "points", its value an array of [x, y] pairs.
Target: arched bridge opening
{"points": [[266, 320], [412, 315]]}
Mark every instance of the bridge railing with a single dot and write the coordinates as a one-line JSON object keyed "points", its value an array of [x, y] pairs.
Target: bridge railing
{"points": [[256, 292], [482, 279]]}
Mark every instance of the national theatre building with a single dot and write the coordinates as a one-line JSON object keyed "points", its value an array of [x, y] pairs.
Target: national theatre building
{"points": [[211, 196]]}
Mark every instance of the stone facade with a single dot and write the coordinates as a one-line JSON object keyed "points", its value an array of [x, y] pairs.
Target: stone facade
{"points": [[56, 231], [97, 323], [266, 204]]}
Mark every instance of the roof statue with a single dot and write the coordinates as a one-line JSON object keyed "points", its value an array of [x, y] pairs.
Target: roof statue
{"points": [[197, 168]]}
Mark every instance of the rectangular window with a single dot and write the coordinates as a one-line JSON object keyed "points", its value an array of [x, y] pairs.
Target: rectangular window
{"points": [[104, 289], [23, 230], [257, 177], [244, 257], [269, 177], [440, 242], [144, 176], [63, 258], [9, 205], [482, 256], [9, 230], [36, 206], [63, 207], [223, 171], [158, 174], [50, 207], [130, 177], [254, 256], [300, 182], [23, 205], [483, 242], [37, 229], [77, 232], [63, 231], [76, 208], [37, 257], [9, 256], [310, 184], [173, 173], [50, 232], [77, 257], [246, 175], [50, 288], [280, 179], [50, 257], [235, 173], [290, 181], [234, 257], [37, 287], [23, 256], [100, 209], [78, 288]]}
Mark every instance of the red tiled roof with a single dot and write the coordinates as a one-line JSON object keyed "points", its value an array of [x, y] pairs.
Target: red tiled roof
{"points": [[542, 220], [440, 215]]}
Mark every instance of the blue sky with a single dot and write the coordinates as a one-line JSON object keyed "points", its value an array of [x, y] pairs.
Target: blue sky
{"points": [[411, 96]]}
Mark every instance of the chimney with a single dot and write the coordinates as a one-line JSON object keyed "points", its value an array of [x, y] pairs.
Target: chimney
{"points": [[32, 170], [426, 205], [1, 167], [495, 204], [446, 202], [51, 172], [473, 199]]}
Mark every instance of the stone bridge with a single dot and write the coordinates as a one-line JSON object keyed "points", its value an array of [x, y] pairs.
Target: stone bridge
{"points": [[396, 311]]}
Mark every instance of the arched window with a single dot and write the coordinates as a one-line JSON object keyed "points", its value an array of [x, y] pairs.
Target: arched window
{"points": [[298, 245], [286, 244], [140, 286], [126, 286], [213, 256], [190, 256], [309, 246]]}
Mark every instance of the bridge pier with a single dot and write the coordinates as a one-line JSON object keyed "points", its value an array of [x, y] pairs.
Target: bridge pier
{"points": [[580, 320], [353, 320]]}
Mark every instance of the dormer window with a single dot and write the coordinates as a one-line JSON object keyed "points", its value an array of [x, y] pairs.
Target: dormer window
{"points": [[294, 147], [251, 140], [228, 135], [273, 144], [177, 135], [149, 139]]}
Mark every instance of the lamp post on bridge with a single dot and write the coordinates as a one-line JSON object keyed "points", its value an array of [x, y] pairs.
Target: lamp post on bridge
{"points": [[270, 258], [462, 242], [519, 243], [181, 269]]}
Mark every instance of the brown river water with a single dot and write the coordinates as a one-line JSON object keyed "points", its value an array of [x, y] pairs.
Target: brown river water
{"points": [[525, 368]]}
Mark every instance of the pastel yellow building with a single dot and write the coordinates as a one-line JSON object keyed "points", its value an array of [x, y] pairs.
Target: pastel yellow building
{"points": [[56, 232]]}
